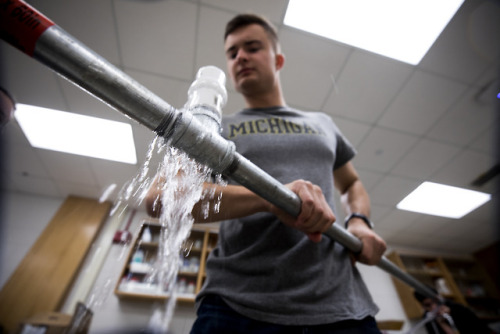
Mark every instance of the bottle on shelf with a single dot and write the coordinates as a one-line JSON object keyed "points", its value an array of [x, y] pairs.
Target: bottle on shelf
{"points": [[182, 286], [190, 288], [194, 264], [138, 256], [146, 235]]}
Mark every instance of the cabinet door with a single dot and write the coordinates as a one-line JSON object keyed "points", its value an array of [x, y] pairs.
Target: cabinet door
{"points": [[41, 281]]}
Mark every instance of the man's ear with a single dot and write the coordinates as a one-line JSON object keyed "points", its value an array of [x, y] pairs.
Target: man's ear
{"points": [[280, 61]]}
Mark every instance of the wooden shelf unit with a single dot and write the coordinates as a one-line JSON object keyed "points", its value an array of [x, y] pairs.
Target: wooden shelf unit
{"points": [[476, 287], [140, 265], [459, 279]]}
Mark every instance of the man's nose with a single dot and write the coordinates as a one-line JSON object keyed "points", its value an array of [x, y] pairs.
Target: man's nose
{"points": [[241, 56]]}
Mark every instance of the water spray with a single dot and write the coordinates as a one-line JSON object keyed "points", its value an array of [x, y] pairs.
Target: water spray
{"points": [[189, 130]]}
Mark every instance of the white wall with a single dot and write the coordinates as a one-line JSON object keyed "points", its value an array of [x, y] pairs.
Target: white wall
{"points": [[27, 216], [384, 294]]}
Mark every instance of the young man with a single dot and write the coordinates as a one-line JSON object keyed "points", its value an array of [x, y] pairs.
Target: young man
{"points": [[270, 272]]}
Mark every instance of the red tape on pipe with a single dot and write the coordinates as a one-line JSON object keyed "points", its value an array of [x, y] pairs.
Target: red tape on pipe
{"points": [[21, 25]]}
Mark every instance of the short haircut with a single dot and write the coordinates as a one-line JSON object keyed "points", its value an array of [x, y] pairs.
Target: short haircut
{"points": [[243, 20]]}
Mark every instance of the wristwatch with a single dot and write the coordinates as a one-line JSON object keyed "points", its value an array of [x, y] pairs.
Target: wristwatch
{"points": [[360, 216]]}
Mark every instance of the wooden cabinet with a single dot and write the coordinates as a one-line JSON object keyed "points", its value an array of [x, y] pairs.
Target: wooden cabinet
{"points": [[138, 278], [461, 280]]}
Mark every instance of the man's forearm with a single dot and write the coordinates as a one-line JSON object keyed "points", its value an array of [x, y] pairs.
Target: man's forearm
{"points": [[356, 199], [235, 202]]}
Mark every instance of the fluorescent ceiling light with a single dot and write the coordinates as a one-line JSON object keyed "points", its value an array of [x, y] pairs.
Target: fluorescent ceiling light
{"points": [[77, 134], [442, 200], [400, 29]]}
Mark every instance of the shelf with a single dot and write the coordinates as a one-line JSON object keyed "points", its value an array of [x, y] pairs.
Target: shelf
{"points": [[137, 288], [424, 273], [144, 291], [186, 273], [142, 256], [143, 244], [139, 268]]}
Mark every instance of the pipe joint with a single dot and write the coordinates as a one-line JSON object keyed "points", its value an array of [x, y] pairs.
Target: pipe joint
{"points": [[209, 148]]}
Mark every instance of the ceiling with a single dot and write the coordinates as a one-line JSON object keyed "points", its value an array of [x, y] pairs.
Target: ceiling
{"points": [[435, 121]]}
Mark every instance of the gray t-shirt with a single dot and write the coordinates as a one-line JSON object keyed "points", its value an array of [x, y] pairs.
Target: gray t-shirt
{"points": [[266, 270]]}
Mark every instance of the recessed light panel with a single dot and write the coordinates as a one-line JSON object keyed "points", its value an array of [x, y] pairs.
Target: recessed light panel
{"points": [[400, 29], [77, 134], [442, 200]]}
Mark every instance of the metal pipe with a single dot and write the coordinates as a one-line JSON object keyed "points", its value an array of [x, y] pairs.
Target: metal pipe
{"points": [[30, 31]]}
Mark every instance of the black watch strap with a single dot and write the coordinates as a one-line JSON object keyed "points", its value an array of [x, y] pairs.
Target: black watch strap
{"points": [[360, 216]]}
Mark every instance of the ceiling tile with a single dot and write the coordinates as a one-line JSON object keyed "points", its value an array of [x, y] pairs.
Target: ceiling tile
{"points": [[172, 91], [83, 103], [23, 160], [422, 101], [464, 36], [382, 149], [386, 235], [488, 141], [397, 220], [273, 10], [210, 39], [486, 232], [428, 225], [463, 169], [366, 86], [149, 29], [310, 64], [28, 81], [425, 159], [484, 213], [35, 185], [455, 228], [91, 23], [61, 167], [13, 134], [378, 212], [78, 189], [391, 190], [465, 121], [409, 240], [109, 172]]}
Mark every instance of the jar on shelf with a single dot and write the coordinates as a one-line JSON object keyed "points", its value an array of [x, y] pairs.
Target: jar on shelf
{"points": [[190, 288]]}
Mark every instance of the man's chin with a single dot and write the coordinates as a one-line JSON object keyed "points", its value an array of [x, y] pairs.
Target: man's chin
{"points": [[247, 86]]}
